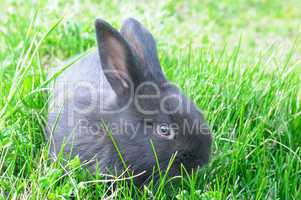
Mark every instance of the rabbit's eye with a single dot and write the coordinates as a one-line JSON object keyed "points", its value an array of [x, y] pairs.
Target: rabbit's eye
{"points": [[163, 130]]}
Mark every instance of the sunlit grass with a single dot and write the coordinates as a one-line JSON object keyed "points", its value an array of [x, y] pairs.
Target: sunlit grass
{"points": [[242, 69]]}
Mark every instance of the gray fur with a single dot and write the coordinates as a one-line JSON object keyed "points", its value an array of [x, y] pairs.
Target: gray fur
{"points": [[83, 133]]}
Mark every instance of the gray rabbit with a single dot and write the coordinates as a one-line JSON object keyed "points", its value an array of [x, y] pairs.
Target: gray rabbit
{"points": [[115, 108]]}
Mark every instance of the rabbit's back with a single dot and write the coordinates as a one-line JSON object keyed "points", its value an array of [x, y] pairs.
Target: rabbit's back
{"points": [[79, 96]]}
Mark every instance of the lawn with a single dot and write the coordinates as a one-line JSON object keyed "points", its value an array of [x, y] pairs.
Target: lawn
{"points": [[238, 60]]}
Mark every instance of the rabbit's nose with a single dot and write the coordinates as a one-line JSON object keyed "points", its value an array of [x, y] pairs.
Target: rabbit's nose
{"points": [[187, 156], [193, 160], [197, 152]]}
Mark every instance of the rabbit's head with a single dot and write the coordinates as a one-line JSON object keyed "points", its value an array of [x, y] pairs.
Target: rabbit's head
{"points": [[155, 120]]}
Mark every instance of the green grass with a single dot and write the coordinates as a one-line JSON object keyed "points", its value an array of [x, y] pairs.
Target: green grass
{"points": [[238, 60]]}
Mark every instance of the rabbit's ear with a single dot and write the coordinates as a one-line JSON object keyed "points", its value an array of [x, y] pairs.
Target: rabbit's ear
{"points": [[117, 60], [144, 46]]}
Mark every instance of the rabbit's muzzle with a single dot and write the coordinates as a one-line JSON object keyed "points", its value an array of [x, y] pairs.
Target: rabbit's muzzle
{"points": [[197, 154]]}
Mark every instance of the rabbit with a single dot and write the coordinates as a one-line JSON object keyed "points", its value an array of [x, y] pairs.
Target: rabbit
{"points": [[116, 110]]}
